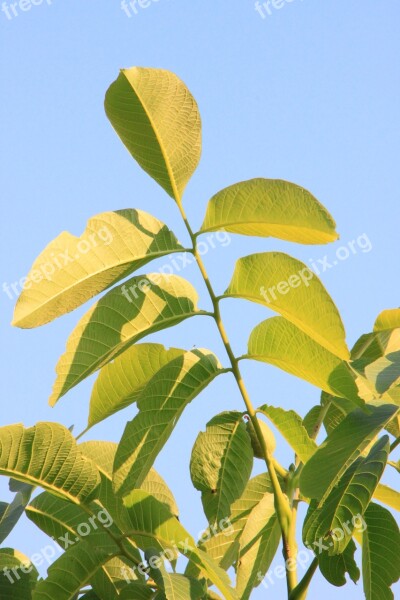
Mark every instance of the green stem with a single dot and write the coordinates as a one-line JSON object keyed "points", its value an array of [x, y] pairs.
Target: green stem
{"points": [[282, 506]]}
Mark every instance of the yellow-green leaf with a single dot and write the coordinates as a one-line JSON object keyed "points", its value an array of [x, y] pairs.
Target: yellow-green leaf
{"points": [[121, 382], [47, 456], [270, 208], [387, 496], [71, 269], [388, 319], [280, 343], [158, 120], [289, 287], [143, 305], [160, 406]]}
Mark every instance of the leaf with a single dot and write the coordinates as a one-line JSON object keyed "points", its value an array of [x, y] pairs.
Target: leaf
{"points": [[46, 455], [334, 568], [136, 591], [121, 382], [103, 455], [387, 496], [176, 586], [158, 120], [290, 425], [144, 305], [152, 525], [380, 553], [222, 544], [336, 519], [388, 319], [12, 512], [341, 448], [289, 287], [74, 569], [18, 575], [161, 404], [311, 421], [280, 343], [258, 545], [376, 360], [216, 455], [71, 269], [270, 208]]}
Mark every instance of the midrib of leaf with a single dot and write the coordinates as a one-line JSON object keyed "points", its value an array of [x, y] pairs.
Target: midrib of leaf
{"points": [[33, 509], [237, 424], [40, 483], [169, 170]]}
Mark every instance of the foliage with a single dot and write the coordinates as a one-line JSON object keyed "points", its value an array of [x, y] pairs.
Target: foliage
{"points": [[113, 515]]}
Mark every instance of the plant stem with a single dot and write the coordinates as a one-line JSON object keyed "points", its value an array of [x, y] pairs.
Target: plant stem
{"points": [[282, 506], [300, 591]]}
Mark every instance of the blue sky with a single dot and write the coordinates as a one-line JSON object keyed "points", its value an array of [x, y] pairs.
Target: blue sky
{"points": [[310, 93]]}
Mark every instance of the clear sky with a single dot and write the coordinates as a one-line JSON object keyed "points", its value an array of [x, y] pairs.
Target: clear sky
{"points": [[309, 93]]}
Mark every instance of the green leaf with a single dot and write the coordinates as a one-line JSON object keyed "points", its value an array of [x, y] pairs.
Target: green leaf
{"points": [[380, 553], [67, 524], [280, 343], [75, 568], [161, 404], [47, 456], [121, 382], [16, 584], [334, 568], [387, 496], [258, 545], [311, 420], [152, 525], [270, 208], [376, 362], [290, 425], [336, 519], [103, 455], [289, 287], [158, 120], [136, 591], [11, 513], [176, 586], [388, 319], [216, 455], [222, 544], [71, 269], [141, 306], [341, 448]]}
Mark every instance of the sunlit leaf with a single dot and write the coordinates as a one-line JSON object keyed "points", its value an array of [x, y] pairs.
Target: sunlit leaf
{"points": [[289, 287], [290, 425], [47, 456], [388, 319], [157, 119], [280, 343], [160, 406], [16, 584], [154, 526], [270, 208], [258, 545], [144, 305], [121, 382], [71, 269]]}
